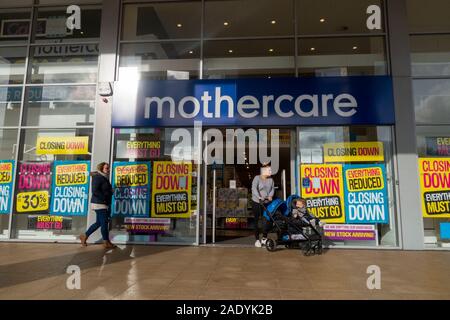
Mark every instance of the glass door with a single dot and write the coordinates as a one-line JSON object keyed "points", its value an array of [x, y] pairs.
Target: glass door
{"points": [[226, 215]]}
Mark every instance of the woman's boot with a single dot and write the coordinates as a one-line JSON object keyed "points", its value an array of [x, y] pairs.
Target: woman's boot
{"points": [[83, 239], [108, 245]]}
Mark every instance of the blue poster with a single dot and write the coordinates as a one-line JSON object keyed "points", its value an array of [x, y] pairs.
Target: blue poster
{"points": [[6, 179], [70, 188], [444, 228], [131, 183], [365, 188]]}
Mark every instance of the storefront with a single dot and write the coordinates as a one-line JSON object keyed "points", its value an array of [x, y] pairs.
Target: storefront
{"points": [[187, 98], [321, 136]]}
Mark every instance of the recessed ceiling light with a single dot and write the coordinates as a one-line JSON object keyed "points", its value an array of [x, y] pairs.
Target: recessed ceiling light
{"points": [[225, 23], [230, 51], [322, 20], [313, 49], [179, 25], [273, 21], [355, 47]]}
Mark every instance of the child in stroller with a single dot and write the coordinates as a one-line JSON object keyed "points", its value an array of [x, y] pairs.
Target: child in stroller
{"points": [[291, 231], [301, 216]]}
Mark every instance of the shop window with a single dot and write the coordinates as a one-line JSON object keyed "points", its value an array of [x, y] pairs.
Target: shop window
{"points": [[51, 25], [432, 101], [428, 16], [174, 20], [433, 148], [8, 145], [249, 58], [10, 101], [12, 66], [14, 25], [44, 207], [165, 187], [430, 55], [335, 17], [64, 63], [62, 106], [238, 18], [160, 60], [346, 174], [360, 56]]}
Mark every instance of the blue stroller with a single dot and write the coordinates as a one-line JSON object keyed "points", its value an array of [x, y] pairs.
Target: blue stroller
{"points": [[307, 236]]}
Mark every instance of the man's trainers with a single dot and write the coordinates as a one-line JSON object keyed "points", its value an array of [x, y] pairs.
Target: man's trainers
{"points": [[263, 241], [258, 244]]}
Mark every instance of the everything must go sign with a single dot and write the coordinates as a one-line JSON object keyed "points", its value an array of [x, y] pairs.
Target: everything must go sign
{"points": [[244, 102], [434, 176]]}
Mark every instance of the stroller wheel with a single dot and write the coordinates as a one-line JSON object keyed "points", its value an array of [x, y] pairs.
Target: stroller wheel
{"points": [[270, 245], [319, 247], [308, 250]]}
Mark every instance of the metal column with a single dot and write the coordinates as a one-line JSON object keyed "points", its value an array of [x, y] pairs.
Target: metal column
{"points": [[405, 127]]}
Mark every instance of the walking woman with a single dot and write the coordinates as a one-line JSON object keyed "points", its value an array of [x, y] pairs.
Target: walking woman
{"points": [[101, 203], [263, 189]]}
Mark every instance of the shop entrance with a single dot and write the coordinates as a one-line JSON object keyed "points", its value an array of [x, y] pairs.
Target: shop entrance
{"points": [[226, 189]]}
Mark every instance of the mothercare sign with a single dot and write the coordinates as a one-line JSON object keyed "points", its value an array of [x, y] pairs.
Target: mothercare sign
{"points": [[244, 102]]}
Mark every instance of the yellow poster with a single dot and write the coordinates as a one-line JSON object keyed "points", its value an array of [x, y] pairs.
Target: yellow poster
{"points": [[353, 152], [171, 189], [6, 169], [434, 176], [323, 188], [71, 174], [32, 201], [62, 145]]}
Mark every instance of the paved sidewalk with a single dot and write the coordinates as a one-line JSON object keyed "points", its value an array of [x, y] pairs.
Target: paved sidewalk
{"points": [[38, 271]]}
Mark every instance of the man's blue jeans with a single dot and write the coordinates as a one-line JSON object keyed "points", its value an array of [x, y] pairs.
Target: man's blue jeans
{"points": [[102, 222]]}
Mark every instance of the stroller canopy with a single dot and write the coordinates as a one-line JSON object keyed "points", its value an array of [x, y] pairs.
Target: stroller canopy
{"points": [[289, 203], [276, 204]]}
